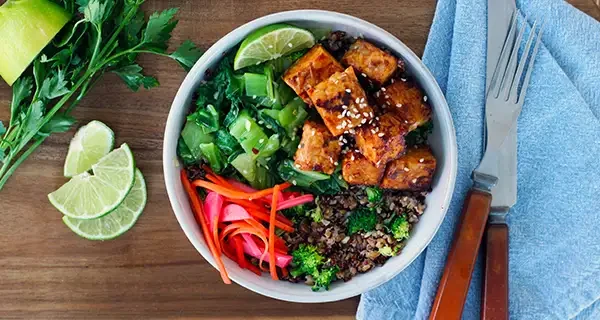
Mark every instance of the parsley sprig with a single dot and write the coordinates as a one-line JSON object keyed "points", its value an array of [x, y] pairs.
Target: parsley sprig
{"points": [[105, 36]]}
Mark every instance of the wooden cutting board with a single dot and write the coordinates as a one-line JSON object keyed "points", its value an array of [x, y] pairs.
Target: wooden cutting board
{"points": [[47, 272]]}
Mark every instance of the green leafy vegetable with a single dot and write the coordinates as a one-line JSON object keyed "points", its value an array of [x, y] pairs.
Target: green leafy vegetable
{"points": [[184, 153], [226, 142], [107, 37], [312, 181], [208, 117], [306, 260], [374, 194], [324, 278], [400, 228], [362, 219], [419, 135]]}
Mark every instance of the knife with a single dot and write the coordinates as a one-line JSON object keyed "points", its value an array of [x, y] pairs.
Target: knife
{"points": [[494, 302]]}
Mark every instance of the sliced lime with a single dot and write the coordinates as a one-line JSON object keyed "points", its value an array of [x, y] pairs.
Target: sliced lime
{"points": [[272, 42], [117, 222], [89, 196], [91, 142]]}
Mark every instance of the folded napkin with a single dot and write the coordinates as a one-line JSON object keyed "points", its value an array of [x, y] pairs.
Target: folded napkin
{"points": [[555, 225]]}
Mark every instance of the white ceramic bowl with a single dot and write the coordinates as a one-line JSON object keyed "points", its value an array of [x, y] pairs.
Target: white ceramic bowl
{"points": [[442, 141]]}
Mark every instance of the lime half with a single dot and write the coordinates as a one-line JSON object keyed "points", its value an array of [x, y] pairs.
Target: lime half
{"points": [[117, 222], [91, 142], [89, 196], [272, 42]]}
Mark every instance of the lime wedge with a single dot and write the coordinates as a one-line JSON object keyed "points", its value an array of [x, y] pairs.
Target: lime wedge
{"points": [[117, 222], [272, 42], [89, 196], [91, 142]]}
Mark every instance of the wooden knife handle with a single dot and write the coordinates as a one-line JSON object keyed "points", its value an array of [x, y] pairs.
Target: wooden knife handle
{"points": [[454, 285], [495, 291]]}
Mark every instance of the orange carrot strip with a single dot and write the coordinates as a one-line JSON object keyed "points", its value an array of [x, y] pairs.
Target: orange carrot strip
{"points": [[279, 243], [261, 237], [215, 233], [272, 259], [284, 272], [266, 192], [265, 217], [227, 192], [197, 208]]}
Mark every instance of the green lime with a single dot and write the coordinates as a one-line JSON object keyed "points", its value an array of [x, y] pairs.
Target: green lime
{"points": [[272, 42], [91, 142], [89, 196], [117, 222]]}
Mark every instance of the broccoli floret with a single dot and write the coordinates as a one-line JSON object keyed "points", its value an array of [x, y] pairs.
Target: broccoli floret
{"points": [[374, 194], [306, 260], [386, 251], [400, 228], [315, 214], [362, 219], [324, 278]]}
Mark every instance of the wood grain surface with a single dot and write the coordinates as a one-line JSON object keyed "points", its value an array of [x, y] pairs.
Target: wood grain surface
{"points": [[47, 272]]}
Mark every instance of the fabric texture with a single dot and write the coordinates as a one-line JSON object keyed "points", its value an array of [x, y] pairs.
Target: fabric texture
{"points": [[555, 225]]}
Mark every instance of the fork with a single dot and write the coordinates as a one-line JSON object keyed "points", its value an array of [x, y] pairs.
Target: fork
{"points": [[504, 103]]}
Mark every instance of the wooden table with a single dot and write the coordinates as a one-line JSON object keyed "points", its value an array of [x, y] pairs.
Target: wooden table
{"points": [[152, 271]]}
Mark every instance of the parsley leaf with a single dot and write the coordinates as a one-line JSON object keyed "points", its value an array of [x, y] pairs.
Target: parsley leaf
{"points": [[2, 128], [187, 54], [134, 79], [35, 115], [54, 86], [21, 90], [59, 123], [158, 30]]}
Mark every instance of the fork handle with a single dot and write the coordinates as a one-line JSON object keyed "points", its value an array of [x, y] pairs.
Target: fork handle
{"points": [[454, 284], [495, 291]]}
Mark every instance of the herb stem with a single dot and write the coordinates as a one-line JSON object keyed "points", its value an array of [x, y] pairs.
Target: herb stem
{"points": [[17, 163]]}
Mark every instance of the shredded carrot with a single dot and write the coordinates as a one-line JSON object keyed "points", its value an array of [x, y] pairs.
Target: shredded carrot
{"points": [[279, 243], [261, 237], [229, 193], [272, 266], [215, 233], [275, 191], [197, 208], [265, 217]]}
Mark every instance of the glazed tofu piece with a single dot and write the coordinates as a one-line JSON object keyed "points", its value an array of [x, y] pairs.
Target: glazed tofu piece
{"points": [[315, 66], [356, 169], [383, 140], [318, 149], [341, 102], [367, 59], [406, 100], [413, 171]]}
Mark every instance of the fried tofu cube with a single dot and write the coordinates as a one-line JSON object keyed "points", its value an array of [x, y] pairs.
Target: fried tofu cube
{"points": [[413, 171], [318, 149], [341, 102], [367, 59], [315, 66], [356, 169], [406, 100], [383, 140]]}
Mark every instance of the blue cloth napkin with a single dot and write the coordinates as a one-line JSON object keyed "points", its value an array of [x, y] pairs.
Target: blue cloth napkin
{"points": [[555, 225]]}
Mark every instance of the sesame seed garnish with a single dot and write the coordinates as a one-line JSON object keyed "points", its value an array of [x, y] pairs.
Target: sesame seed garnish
{"points": [[399, 105], [405, 121], [371, 114], [344, 107], [406, 169], [373, 131], [377, 118], [340, 116], [425, 98], [421, 160], [380, 134], [357, 100], [261, 140], [383, 89], [362, 99], [338, 127], [393, 80], [344, 141], [291, 46], [352, 157], [270, 46], [297, 166], [331, 159], [363, 121], [335, 163], [363, 74], [414, 180], [261, 122], [352, 131], [378, 162], [403, 80], [365, 114], [340, 143], [340, 138], [388, 103], [376, 129], [377, 94], [344, 113], [348, 90], [294, 182], [387, 96], [245, 171], [254, 97]]}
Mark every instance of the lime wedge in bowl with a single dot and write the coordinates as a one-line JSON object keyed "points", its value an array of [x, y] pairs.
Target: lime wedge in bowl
{"points": [[272, 42], [91, 142], [89, 196], [117, 222]]}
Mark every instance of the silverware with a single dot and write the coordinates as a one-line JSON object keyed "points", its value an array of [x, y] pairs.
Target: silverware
{"points": [[494, 302], [503, 106]]}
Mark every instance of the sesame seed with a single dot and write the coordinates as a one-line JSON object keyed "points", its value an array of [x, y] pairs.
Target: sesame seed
{"points": [[378, 162], [352, 131], [357, 100], [297, 166], [371, 114], [331, 159], [365, 114], [266, 166], [376, 129], [414, 180], [363, 121], [338, 127], [376, 118], [362, 99], [352, 157], [269, 126], [245, 171], [405, 121], [406, 169], [341, 137], [363, 74], [335, 163], [344, 113], [312, 132], [388, 103], [383, 89], [393, 80], [257, 63], [344, 140], [425, 98], [344, 107], [399, 105], [261, 140], [294, 182], [254, 97], [291, 46], [380, 134], [348, 90], [340, 116], [341, 143], [421, 160], [261, 122], [403, 80], [377, 94], [270, 46]]}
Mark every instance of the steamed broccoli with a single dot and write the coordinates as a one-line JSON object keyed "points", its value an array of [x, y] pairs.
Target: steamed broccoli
{"points": [[400, 228], [324, 278], [362, 219], [387, 251], [306, 260], [374, 194], [316, 214]]}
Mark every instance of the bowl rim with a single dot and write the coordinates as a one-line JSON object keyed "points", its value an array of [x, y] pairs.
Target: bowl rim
{"points": [[171, 166]]}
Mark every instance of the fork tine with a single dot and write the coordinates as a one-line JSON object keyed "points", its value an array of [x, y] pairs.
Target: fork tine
{"points": [[509, 75], [494, 88], [531, 61], [522, 63]]}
